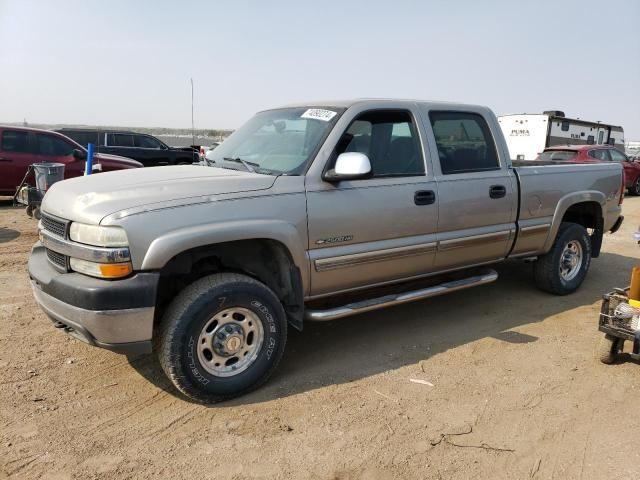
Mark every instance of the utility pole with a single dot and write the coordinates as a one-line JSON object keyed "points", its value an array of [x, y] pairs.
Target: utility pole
{"points": [[193, 128]]}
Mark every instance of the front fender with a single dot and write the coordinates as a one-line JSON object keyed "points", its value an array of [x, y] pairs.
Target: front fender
{"points": [[167, 246]]}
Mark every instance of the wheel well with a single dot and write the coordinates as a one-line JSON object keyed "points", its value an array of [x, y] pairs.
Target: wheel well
{"points": [[589, 215], [268, 261]]}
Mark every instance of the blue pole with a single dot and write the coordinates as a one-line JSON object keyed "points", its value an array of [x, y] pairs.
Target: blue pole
{"points": [[89, 164]]}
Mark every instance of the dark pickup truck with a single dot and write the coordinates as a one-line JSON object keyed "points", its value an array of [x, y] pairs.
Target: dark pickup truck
{"points": [[144, 148]]}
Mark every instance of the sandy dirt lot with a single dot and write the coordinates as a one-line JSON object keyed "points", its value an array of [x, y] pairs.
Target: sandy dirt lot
{"points": [[516, 391]]}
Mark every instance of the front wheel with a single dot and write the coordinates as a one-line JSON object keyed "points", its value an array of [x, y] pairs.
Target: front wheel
{"points": [[563, 269], [222, 336], [635, 188]]}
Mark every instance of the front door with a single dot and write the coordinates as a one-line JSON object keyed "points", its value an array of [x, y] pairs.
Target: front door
{"points": [[54, 149], [477, 194], [370, 231]]}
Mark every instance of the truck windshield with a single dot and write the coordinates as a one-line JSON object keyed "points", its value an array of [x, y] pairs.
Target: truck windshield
{"points": [[277, 141], [557, 155]]}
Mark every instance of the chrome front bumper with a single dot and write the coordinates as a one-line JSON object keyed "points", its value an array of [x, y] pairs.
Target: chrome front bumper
{"points": [[124, 331]]}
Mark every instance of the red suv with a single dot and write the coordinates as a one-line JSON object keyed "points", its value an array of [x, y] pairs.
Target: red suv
{"points": [[597, 154], [20, 147]]}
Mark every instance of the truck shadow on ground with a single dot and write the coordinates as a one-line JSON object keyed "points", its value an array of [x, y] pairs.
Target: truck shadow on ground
{"points": [[368, 344]]}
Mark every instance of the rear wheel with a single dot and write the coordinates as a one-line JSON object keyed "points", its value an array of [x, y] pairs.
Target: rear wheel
{"points": [[608, 349], [635, 188], [563, 269], [222, 336]]}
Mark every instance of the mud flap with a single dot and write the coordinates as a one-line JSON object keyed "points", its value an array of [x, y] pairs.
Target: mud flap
{"points": [[295, 301], [596, 238]]}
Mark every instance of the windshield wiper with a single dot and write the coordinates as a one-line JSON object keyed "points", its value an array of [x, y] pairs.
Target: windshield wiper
{"points": [[248, 165]]}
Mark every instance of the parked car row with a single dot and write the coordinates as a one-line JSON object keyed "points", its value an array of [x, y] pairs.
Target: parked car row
{"points": [[21, 147], [146, 149], [597, 154]]}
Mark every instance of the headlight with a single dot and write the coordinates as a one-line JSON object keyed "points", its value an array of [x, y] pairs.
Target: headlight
{"points": [[98, 236], [101, 270]]}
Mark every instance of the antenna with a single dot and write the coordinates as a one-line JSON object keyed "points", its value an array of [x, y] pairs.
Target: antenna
{"points": [[193, 130]]}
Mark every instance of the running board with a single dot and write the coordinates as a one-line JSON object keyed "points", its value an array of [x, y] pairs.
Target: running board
{"points": [[487, 276]]}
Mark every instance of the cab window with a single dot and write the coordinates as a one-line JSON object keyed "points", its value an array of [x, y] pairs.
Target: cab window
{"points": [[600, 154], [14, 141], [144, 141], [120, 140], [389, 139], [617, 156], [464, 141], [53, 146]]}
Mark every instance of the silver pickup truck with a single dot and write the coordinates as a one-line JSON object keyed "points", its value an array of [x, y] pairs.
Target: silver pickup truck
{"points": [[307, 212]]}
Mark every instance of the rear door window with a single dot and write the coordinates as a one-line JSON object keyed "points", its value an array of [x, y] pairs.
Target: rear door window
{"points": [[53, 146], [120, 140], [15, 141], [85, 138], [600, 154], [464, 141], [145, 141], [558, 155]]}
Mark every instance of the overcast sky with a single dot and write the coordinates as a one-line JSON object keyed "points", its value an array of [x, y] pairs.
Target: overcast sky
{"points": [[128, 63]]}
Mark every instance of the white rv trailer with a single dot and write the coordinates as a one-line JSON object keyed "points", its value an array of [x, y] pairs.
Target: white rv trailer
{"points": [[528, 135]]}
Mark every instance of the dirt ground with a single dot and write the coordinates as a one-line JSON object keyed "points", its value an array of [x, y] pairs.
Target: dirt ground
{"points": [[514, 391]]}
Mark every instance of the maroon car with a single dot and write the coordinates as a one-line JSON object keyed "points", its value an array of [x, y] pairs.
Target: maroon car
{"points": [[597, 154], [20, 147]]}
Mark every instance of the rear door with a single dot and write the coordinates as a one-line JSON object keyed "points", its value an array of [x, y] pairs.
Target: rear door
{"points": [[122, 144], [477, 191], [15, 157]]}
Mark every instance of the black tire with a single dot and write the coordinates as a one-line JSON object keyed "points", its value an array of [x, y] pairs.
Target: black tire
{"points": [[608, 349], [547, 269], [36, 213], [29, 211], [185, 321], [635, 188]]}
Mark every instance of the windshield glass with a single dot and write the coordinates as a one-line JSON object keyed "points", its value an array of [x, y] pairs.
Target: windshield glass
{"points": [[558, 155], [276, 141]]}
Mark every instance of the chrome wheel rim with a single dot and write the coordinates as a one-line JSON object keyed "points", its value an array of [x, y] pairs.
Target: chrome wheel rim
{"points": [[230, 342], [571, 260]]}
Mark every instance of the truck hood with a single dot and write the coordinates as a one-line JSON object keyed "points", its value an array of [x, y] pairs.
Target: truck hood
{"points": [[90, 199]]}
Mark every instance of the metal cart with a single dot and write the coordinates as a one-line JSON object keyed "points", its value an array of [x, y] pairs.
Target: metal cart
{"points": [[617, 327], [45, 175]]}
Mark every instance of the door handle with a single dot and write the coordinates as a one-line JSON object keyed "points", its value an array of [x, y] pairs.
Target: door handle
{"points": [[424, 197], [497, 191], [4, 159]]}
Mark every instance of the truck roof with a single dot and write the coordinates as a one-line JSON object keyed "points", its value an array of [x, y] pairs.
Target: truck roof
{"points": [[346, 103]]}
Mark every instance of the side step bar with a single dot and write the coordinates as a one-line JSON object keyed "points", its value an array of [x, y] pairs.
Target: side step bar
{"points": [[354, 308]]}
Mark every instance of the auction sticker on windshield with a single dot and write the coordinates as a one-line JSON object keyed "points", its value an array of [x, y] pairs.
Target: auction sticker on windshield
{"points": [[319, 114]]}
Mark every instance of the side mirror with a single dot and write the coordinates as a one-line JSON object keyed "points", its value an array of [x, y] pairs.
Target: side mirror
{"points": [[349, 166], [79, 154]]}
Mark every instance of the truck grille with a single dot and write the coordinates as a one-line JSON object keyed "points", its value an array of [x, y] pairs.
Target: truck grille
{"points": [[57, 259], [54, 226], [58, 228]]}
